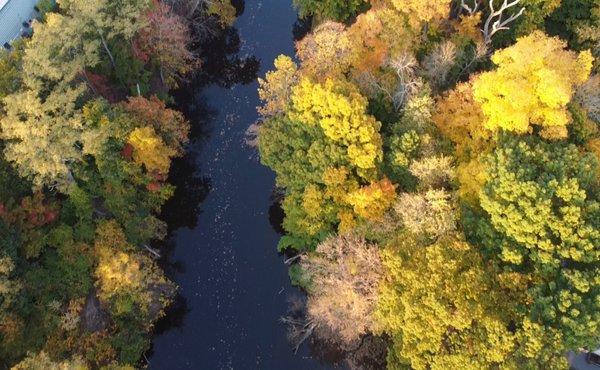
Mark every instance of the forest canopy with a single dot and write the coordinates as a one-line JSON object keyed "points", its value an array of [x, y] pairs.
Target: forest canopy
{"points": [[87, 137], [440, 174]]}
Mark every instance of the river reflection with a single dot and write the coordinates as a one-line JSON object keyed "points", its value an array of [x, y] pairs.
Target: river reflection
{"points": [[224, 219]]}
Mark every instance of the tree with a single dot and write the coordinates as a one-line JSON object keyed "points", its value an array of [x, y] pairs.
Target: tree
{"points": [[276, 89], [222, 9], [42, 135], [325, 147], [11, 64], [343, 275], [578, 22], [534, 81], [339, 10], [460, 118], [150, 150], [122, 274], [166, 39], [431, 214], [316, 51], [41, 361], [439, 305], [9, 287], [106, 20], [58, 54], [371, 201], [419, 12], [340, 111], [171, 125], [542, 220]]}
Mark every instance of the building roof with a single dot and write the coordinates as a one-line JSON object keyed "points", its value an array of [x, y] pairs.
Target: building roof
{"points": [[12, 15]]}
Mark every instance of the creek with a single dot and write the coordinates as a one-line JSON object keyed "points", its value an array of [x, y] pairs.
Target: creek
{"points": [[224, 221]]}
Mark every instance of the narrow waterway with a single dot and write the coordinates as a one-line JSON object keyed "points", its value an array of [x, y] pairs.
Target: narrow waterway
{"points": [[233, 284]]}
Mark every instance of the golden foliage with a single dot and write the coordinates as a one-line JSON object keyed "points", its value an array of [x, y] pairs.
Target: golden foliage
{"points": [[150, 150], [460, 118], [438, 304], [370, 202], [341, 112], [534, 81]]}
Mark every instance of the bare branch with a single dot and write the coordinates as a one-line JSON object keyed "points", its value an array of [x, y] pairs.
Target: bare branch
{"points": [[152, 251], [471, 9], [495, 23], [290, 260]]}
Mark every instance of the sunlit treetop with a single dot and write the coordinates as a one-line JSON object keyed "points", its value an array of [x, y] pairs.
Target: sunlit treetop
{"points": [[418, 12], [341, 112], [325, 52], [532, 85]]}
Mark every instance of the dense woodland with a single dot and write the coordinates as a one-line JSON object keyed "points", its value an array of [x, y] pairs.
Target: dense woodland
{"points": [[86, 144], [438, 162]]}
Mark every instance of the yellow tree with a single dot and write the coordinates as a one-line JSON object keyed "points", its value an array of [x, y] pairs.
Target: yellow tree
{"points": [[42, 136], [324, 147], [439, 305], [275, 89], [223, 9], [370, 202], [150, 150], [123, 272], [460, 118], [532, 85], [341, 112], [418, 12]]}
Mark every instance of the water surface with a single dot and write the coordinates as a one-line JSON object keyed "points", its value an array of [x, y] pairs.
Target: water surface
{"points": [[233, 284]]}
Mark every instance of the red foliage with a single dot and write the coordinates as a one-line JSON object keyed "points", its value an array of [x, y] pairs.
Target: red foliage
{"points": [[138, 52], [35, 211], [127, 151], [160, 177], [102, 87], [50, 216], [165, 39], [153, 187]]}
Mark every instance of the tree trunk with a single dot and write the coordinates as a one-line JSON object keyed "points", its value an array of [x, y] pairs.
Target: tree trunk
{"points": [[105, 45]]}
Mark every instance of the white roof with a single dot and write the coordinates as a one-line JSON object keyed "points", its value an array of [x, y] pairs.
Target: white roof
{"points": [[12, 15]]}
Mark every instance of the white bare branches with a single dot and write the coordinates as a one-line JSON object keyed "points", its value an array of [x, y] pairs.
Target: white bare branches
{"points": [[405, 66], [495, 23], [471, 9]]}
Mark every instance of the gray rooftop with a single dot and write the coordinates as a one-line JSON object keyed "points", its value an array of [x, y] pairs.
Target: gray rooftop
{"points": [[12, 14]]}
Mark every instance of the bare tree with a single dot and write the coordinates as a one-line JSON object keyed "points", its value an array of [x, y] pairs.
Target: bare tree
{"points": [[405, 67], [495, 21], [345, 272]]}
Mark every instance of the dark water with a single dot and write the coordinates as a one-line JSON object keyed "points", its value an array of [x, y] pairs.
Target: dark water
{"points": [[234, 285]]}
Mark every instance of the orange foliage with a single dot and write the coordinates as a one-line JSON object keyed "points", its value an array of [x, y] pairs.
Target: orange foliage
{"points": [[370, 202], [460, 119]]}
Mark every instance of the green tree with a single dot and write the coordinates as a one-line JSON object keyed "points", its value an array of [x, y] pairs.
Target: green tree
{"points": [[543, 221], [330, 9], [324, 150]]}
